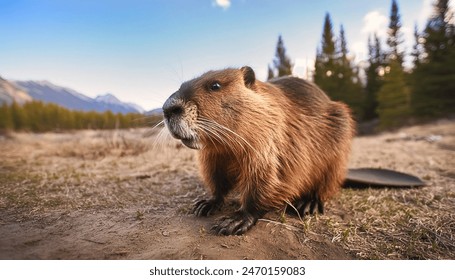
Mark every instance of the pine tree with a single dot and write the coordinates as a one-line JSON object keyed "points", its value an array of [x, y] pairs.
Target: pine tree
{"points": [[282, 62], [6, 122], [325, 65], [434, 76], [349, 86], [19, 117], [374, 77], [394, 96], [416, 48], [335, 72], [343, 46], [37, 116], [395, 37]]}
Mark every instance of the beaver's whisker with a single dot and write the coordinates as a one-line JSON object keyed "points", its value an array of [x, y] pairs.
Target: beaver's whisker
{"points": [[160, 138], [220, 135], [151, 130], [225, 133], [208, 132], [230, 131], [232, 140], [160, 123], [216, 132], [212, 133], [157, 138]]}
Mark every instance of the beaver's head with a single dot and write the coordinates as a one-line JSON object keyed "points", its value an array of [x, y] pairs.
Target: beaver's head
{"points": [[207, 109]]}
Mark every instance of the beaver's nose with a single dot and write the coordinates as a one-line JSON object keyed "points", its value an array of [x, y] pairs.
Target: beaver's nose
{"points": [[172, 111], [173, 107]]}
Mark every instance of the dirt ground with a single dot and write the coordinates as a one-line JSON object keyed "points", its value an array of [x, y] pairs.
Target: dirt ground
{"points": [[121, 195]]}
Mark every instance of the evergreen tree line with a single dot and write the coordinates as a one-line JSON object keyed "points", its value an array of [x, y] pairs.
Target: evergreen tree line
{"points": [[386, 90], [37, 116]]}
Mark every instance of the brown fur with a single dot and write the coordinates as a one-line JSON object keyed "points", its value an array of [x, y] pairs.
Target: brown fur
{"points": [[291, 142]]}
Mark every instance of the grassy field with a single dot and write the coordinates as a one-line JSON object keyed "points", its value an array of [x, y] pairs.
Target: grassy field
{"points": [[121, 195]]}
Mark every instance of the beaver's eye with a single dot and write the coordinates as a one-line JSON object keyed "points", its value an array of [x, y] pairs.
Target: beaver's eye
{"points": [[215, 86]]}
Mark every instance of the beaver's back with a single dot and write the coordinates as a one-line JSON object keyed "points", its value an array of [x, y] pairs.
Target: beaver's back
{"points": [[303, 93]]}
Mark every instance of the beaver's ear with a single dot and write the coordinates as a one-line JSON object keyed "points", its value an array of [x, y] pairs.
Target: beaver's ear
{"points": [[248, 76]]}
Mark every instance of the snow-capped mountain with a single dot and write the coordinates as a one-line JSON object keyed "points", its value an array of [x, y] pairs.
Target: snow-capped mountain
{"points": [[71, 99]]}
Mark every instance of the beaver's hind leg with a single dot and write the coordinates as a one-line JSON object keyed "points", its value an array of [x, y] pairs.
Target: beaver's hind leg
{"points": [[309, 202]]}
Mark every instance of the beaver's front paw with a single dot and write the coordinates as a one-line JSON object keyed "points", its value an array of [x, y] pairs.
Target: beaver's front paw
{"points": [[236, 224], [206, 207]]}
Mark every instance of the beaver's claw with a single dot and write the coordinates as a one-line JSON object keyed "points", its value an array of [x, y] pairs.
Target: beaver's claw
{"points": [[206, 207], [236, 224]]}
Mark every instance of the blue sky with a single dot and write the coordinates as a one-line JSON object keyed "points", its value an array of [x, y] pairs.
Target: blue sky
{"points": [[141, 51]]}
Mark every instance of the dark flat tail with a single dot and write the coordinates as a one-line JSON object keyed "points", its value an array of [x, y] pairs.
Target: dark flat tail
{"points": [[380, 178]]}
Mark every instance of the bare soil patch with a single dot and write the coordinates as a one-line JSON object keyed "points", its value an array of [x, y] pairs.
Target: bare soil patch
{"points": [[118, 195]]}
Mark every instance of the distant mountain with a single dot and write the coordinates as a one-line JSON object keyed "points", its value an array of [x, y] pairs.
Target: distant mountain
{"points": [[157, 111], [9, 92], [71, 99], [111, 102]]}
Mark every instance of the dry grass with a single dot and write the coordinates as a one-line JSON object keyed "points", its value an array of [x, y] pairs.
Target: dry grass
{"points": [[92, 170], [401, 223], [89, 169], [395, 224]]}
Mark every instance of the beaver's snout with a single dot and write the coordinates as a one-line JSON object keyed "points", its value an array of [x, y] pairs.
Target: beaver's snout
{"points": [[179, 118]]}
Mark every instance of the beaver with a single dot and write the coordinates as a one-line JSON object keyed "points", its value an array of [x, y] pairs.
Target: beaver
{"points": [[275, 143]]}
